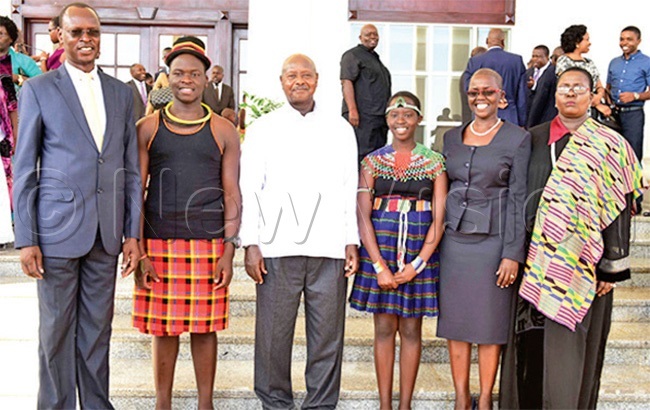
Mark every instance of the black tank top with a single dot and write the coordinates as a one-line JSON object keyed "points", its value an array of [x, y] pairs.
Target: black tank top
{"points": [[185, 195]]}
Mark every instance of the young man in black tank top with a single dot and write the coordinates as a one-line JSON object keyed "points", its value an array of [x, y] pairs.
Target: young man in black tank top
{"points": [[190, 158]]}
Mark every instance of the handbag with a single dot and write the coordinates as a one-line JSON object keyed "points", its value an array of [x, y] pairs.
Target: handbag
{"points": [[160, 97], [613, 120], [610, 121]]}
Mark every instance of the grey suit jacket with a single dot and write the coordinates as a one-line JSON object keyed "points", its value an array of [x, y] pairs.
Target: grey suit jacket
{"points": [[487, 187], [65, 189], [139, 107], [227, 99]]}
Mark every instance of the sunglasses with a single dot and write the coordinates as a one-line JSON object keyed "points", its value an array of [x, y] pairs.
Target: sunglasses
{"points": [[577, 89], [78, 33], [487, 93]]}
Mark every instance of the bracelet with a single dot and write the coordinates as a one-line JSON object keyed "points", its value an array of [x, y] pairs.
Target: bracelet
{"points": [[143, 257], [368, 190], [379, 266], [418, 264]]}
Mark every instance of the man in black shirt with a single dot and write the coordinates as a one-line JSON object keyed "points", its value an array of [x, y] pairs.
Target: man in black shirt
{"points": [[366, 90]]}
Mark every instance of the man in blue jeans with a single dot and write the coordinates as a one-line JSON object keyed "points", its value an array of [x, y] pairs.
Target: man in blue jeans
{"points": [[628, 78]]}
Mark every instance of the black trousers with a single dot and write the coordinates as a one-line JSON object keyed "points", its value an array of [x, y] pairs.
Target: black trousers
{"points": [[555, 368]]}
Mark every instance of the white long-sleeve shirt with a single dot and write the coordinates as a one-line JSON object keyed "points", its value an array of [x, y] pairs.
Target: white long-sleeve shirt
{"points": [[298, 183]]}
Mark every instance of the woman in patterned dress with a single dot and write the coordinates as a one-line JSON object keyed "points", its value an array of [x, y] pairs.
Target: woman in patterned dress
{"points": [[575, 42], [402, 189], [582, 181], [189, 158]]}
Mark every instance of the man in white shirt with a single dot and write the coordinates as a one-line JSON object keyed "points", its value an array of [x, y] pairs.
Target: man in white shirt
{"points": [[299, 228]]}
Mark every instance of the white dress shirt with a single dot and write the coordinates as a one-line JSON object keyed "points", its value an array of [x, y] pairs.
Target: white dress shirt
{"points": [[298, 182], [217, 89], [85, 96]]}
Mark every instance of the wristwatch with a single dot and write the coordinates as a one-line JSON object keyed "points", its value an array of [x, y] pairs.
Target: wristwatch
{"points": [[235, 240], [636, 96]]}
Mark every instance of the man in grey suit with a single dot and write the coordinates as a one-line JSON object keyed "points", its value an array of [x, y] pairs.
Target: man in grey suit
{"points": [[217, 94], [140, 90], [77, 195]]}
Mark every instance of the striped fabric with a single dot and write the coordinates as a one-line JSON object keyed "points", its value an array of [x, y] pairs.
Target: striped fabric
{"points": [[414, 299], [584, 194], [184, 299]]}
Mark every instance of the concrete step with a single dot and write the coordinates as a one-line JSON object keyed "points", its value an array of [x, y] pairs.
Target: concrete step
{"points": [[132, 385], [630, 304], [640, 248], [640, 228], [626, 382], [628, 342], [10, 270]]}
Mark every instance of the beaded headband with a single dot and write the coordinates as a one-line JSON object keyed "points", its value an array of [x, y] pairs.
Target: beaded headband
{"points": [[401, 103]]}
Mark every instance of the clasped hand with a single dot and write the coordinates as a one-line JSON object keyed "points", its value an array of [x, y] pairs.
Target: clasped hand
{"points": [[387, 280]]}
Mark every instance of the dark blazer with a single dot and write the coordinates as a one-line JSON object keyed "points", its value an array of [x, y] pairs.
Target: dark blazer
{"points": [[541, 101], [65, 188], [511, 67], [487, 187], [139, 107], [227, 99]]}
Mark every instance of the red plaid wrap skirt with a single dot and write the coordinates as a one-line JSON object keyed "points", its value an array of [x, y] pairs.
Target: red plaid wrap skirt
{"points": [[184, 299]]}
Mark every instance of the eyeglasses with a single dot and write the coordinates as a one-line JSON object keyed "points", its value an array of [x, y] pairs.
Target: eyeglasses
{"points": [[577, 89], [487, 93], [78, 33]]}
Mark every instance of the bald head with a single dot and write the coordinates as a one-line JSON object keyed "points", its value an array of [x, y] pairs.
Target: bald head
{"points": [[369, 36], [490, 73], [496, 37], [300, 59]]}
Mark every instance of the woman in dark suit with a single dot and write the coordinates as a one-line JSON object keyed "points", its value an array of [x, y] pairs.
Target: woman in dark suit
{"points": [[487, 162]]}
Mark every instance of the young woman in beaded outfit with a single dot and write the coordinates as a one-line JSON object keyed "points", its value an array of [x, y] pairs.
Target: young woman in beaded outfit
{"points": [[402, 189]]}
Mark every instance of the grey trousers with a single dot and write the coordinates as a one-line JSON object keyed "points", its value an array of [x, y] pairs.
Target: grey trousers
{"points": [[75, 302], [324, 286]]}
